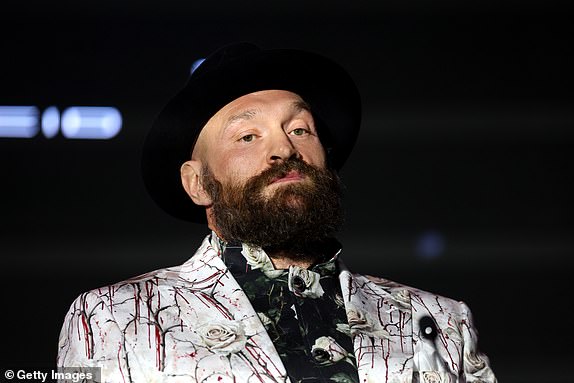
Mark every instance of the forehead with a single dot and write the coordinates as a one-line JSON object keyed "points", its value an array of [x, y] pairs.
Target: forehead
{"points": [[252, 103]]}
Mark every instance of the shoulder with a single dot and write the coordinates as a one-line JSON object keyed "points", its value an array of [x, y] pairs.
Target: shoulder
{"points": [[424, 302], [117, 299], [160, 280], [388, 284], [154, 290], [149, 281]]}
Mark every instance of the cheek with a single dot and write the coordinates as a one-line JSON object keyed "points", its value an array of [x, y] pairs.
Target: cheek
{"points": [[314, 155], [321, 160], [235, 169]]}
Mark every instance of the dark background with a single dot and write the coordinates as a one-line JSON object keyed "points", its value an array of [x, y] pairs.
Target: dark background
{"points": [[467, 140]]}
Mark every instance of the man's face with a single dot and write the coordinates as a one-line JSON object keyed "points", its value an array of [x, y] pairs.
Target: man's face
{"points": [[264, 168], [256, 131]]}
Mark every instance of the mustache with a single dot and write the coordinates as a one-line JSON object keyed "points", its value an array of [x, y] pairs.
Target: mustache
{"points": [[281, 170]]}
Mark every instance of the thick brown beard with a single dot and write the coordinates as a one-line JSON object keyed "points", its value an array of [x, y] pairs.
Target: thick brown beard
{"points": [[296, 218]]}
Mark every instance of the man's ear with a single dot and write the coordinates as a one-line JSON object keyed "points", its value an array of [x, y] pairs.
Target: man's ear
{"points": [[191, 179]]}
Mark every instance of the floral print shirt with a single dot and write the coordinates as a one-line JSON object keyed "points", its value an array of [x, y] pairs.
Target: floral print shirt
{"points": [[303, 312]]}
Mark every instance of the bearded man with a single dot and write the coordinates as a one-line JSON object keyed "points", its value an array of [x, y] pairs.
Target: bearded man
{"points": [[251, 146]]}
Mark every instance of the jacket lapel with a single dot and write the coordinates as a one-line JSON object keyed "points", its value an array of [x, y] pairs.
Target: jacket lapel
{"points": [[227, 308], [380, 320]]}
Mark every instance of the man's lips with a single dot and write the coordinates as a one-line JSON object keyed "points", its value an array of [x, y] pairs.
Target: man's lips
{"points": [[290, 176]]}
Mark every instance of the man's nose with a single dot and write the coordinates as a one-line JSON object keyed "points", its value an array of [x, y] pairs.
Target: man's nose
{"points": [[281, 148]]}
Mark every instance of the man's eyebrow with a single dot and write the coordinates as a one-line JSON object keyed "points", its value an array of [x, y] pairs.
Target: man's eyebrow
{"points": [[247, 114], [300, 105], [297, 106]]}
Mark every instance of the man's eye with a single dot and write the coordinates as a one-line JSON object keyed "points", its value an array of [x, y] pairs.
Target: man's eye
{"points": [[248, 138], [299, 131]]}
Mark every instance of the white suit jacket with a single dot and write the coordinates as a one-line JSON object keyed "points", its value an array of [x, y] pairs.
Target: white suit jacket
{"points": [[193, 323]]}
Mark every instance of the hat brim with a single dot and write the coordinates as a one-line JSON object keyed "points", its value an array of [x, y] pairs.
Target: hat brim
{"points": [[323, 84]]}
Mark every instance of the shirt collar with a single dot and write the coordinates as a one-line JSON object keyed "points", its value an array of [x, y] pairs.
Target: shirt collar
{"points": [[256, 258]]}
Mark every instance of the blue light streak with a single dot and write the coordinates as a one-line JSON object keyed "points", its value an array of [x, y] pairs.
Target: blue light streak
{"points": [[18, 121]]}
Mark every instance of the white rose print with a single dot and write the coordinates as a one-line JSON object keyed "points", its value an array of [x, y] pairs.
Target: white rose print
{"points": [[360, 322], [474, 361], [305, 283], [258, 259], [431, 377], [223, 338], [327, 351]]}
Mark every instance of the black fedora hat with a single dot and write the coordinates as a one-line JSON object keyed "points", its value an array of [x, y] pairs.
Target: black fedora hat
{"points": [[229, 73]]}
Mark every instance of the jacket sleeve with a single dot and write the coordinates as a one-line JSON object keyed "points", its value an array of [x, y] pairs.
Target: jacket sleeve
{"points": [[476, 364], [91, 341]]}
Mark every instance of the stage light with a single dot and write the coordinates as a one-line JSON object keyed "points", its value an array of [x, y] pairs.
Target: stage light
{"points": [[91, 122], [430, 245], [76, 122], [195, 64], [18, 121], [50, 122]]}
